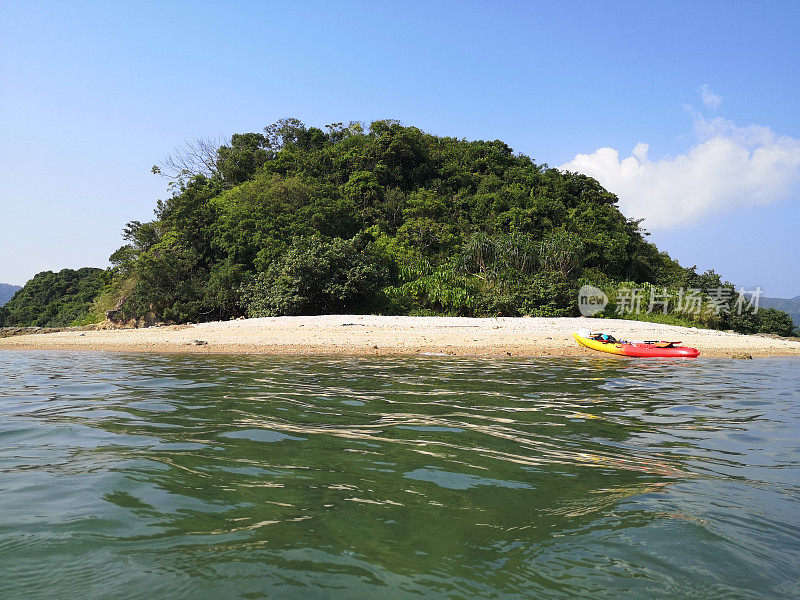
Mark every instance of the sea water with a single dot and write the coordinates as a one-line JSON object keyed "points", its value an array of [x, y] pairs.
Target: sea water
{"points": [[155, 476]]}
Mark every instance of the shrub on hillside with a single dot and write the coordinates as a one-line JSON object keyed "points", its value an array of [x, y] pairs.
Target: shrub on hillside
{"points": [[316, 276]]}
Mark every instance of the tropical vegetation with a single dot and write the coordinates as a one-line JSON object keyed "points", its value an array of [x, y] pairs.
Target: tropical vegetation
{"points": [[56, 299]]}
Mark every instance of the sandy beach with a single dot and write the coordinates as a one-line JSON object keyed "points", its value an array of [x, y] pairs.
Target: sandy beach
{"points": [[391, 335]]}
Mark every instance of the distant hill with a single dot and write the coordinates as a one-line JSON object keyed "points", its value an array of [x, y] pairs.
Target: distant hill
{"points": [[54, 299], [7, 291], [787, 305]]}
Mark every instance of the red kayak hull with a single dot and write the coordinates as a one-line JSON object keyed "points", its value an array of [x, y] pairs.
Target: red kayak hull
{"points": [[645, 350]]}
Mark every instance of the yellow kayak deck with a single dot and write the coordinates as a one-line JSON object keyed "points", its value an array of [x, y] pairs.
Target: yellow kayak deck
{"points": [[610, 348]]}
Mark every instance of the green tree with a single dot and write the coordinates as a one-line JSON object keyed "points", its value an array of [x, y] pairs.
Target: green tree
{"points": [[245, 155], [317, 276], [772, 320]]}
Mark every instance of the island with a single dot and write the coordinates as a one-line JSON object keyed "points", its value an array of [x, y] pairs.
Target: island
{"points": [[401, 230]]}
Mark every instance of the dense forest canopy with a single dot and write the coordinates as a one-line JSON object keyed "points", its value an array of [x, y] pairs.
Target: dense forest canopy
{"points": [[391, 219], [55, 299], [384, 219]]}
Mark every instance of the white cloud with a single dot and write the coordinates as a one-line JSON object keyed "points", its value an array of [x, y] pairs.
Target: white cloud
{"points": [[710, 99], [729, 167]]}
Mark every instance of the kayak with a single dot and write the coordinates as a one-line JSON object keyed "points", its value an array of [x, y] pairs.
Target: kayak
{"points": [[639, 349]]}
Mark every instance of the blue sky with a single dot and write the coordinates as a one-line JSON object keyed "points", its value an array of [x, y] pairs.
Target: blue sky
{"points": [[93, 94]]}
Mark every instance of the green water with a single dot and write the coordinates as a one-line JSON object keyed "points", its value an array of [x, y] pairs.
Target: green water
{"points": [[258, 477]]}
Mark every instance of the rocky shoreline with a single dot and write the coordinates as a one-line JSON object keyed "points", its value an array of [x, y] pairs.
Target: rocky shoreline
{"points": [[13, 331]]}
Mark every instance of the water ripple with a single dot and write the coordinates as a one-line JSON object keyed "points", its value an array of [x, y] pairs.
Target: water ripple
{"points": [[213, 476]]}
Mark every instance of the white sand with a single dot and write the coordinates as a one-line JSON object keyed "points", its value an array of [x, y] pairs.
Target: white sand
{"points": [[376, 335]]}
